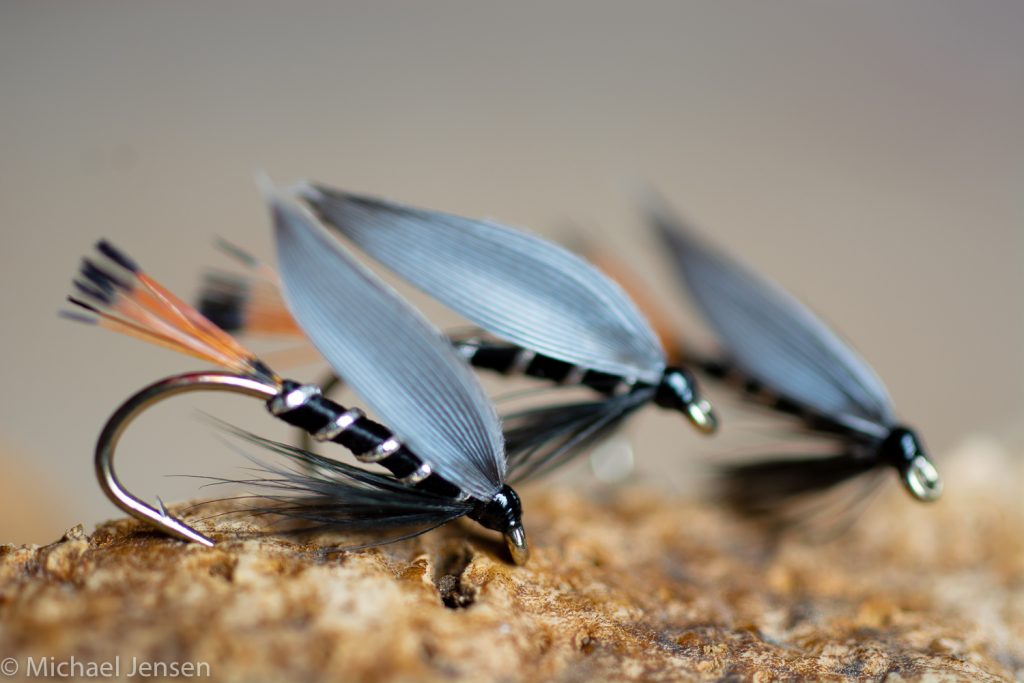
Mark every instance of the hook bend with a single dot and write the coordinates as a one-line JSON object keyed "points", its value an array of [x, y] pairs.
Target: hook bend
{"points": [[135, 406]]}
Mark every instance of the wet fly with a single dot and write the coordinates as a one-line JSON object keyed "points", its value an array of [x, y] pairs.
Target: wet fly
{"points": [[443, 448], [775, 350]]}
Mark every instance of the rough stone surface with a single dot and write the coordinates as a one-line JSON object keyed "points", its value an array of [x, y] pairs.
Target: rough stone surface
{"points": [[628, 586]]}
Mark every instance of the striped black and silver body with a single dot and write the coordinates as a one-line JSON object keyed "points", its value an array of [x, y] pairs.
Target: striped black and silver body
{"points": [[756, 391], [509, 359], [305, 406], [675, 391]]}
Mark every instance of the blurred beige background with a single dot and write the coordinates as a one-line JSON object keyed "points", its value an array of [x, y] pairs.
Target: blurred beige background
{"points": [[867, 154]]}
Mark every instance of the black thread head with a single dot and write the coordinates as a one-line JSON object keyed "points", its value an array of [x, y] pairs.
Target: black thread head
{"points": [[905, 451], [504, 513], [678, 390]]}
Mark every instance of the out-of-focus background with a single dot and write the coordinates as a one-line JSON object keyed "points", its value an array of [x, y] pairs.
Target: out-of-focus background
{"points": [[868, 155]]}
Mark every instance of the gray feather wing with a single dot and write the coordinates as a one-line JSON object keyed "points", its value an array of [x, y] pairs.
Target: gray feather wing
{"points": [[771, 335], [517, 286], [404, 369]]}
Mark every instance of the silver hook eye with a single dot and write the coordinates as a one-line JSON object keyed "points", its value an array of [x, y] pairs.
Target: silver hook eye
{"points": [[515, 540], [702, 416], [923, 480], [135, 406]]}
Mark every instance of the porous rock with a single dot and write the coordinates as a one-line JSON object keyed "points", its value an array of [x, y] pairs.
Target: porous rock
{"points": [[629, 585]]}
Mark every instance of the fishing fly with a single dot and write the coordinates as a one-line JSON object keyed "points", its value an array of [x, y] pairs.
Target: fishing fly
{"points": [[778, 352], [444, 449], [545, 313]]}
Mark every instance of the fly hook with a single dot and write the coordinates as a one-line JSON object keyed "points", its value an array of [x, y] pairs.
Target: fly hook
{"points": [[138, 403]]}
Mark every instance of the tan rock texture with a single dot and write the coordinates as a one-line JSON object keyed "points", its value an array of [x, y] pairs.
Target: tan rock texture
{"points": [[625, 585]]}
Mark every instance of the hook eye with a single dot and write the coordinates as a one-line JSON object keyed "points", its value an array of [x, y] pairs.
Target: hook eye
{"points": [[515, 541], [702, 416], [923, 480], [135, 406]]}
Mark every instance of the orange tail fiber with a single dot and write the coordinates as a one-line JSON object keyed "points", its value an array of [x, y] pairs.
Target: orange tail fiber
{"points": [[242, 304]]}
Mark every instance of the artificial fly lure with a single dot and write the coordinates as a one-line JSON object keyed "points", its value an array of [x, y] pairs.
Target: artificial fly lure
{"points": [[547, 313], [780, 353], [445, 449]]}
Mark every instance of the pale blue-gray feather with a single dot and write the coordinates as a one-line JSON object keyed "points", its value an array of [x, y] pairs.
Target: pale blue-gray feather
{"points": [[515, 285], [402, 366], [772, 336]]}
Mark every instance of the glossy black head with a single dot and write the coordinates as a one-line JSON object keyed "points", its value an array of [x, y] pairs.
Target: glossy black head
{"points": [[504, 513], [679, 391], [904, 450]]}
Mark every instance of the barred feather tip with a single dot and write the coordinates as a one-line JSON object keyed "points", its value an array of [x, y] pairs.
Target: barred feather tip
{"points": [[244, 304], [113, 291]]}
